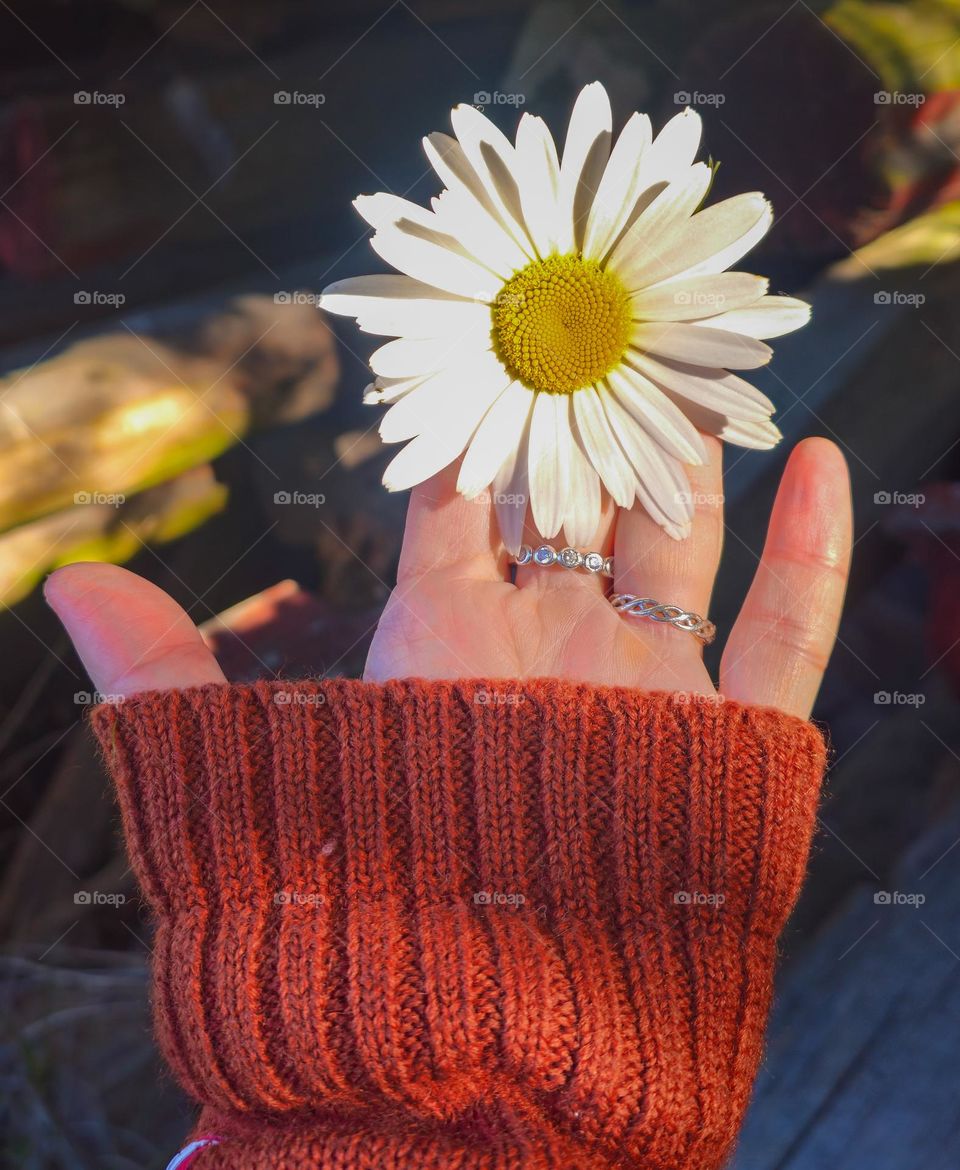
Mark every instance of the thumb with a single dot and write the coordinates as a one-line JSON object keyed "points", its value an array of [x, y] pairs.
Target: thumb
{"points": [[129, 634]]}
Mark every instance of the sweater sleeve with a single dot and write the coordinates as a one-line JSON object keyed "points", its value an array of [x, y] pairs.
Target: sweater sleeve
{"points": [[482, 925]]}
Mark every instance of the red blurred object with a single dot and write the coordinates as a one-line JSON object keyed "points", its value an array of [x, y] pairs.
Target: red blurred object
{"points": [[841, 166], [924, 153], [285, 631], [26, 189]]}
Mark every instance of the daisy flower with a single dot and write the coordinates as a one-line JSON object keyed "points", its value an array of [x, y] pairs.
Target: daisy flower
{"points": [[566, 323]]}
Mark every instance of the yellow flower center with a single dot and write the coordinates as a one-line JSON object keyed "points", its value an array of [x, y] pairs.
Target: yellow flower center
{"points": [[561, 324]]}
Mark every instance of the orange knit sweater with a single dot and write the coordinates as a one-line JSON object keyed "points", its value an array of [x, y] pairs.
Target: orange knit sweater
{"points": [[476, 925]]}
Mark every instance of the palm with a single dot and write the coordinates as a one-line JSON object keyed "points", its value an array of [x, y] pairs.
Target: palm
{"points": [[450, 627]]}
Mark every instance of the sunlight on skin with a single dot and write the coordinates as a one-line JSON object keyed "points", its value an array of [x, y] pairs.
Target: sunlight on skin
{"points": [[455, 614]]}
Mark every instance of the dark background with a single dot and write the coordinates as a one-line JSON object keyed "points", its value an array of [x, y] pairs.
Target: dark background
{"points": [[175, 187]]}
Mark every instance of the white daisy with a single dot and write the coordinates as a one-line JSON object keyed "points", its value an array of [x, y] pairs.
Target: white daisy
{"points": [[567, 323]]}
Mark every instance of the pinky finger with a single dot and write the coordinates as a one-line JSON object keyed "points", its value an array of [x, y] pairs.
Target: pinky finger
{"points": [[780, 644]]}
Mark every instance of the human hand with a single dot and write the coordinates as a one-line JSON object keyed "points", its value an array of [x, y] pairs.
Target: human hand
{"points": [[455, 614]]}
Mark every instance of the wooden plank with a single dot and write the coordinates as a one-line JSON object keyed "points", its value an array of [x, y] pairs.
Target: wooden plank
{"points": [[861, 1067]]}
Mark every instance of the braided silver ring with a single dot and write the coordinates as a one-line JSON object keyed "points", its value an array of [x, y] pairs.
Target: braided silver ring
{"points": [[546, 555], [702, 629]]}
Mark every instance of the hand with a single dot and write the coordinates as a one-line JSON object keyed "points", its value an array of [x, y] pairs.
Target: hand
{"points": [[454, 613]]}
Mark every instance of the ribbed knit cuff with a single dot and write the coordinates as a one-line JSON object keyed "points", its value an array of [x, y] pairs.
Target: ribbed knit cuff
{"points": [[470, 924]]}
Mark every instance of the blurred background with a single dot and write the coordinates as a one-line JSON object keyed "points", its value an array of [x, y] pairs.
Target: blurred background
{"points": [[175, 187]]}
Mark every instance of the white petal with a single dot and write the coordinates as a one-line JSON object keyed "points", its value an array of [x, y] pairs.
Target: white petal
{"points": [[435, 264], [453, 169], [411, 416], [759, 433], [699, 297], [717, 237], [460, 227], [585, 154], [667, 160], [409, 356], [491, 156], [701, 345], [660, 417], [769, 317], [451, 426], [385, 390], [497, 437], [549, 440], [658, 230], [582, 517], [392, 285], [448, 159], [619, 189], [674, 148], [538, 175], [383, 209], [760, 436], [482, 235], [713, 389], [406, 315], [421, 458], [602, 447], [511, 493], [660, 478], [438, 403]]}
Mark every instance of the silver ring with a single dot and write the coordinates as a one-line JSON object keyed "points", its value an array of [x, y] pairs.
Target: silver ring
{"points": [[546, 555], [702, 629]]}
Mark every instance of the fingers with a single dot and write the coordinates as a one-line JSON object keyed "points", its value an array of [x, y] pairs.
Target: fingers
{"points": [[550, 578], [650, 563], [129, 634], [444, 530], [779, 646]]}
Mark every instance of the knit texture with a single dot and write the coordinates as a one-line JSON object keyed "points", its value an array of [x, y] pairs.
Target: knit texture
{"points": [[477, 925]]}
